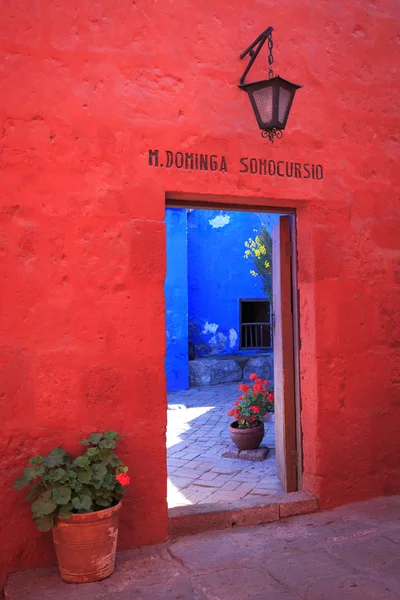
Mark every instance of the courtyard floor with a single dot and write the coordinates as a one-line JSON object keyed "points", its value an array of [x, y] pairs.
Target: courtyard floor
{"points": [[349, 553], [197, 436]]}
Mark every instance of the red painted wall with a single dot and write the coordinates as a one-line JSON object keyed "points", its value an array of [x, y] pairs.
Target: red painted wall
{"points": [[86, 89]]}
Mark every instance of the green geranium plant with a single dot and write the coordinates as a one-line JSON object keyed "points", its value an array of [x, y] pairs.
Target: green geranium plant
{"points": [[61, 486]]}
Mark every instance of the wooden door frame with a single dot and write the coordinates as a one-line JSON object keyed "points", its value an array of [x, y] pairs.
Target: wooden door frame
{"points": [[242, 204], [296, 347]]}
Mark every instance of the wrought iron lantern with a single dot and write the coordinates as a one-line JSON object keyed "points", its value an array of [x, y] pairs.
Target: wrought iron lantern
{"points": [[270, 98]]}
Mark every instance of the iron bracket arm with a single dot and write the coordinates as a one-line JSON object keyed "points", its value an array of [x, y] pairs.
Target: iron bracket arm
{"points": [[259, 42]]}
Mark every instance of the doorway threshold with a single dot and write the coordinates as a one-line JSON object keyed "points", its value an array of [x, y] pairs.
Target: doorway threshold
{"points": [[198, 518]]}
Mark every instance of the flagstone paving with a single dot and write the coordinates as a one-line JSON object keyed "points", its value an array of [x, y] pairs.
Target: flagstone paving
{"points": [[349, 553], [197, 436]]}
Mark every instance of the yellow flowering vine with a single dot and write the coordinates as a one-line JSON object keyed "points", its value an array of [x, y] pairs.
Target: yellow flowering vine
{"points": [[259, 250]]}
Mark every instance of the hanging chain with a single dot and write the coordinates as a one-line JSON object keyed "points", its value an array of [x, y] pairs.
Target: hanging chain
{"points": [[270, 56]]}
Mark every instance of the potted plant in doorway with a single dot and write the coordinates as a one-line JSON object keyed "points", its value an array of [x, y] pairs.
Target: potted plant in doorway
{"points": [[80, 500], [255, 401]]}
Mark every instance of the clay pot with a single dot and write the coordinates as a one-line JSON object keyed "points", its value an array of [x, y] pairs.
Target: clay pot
{"points": [[86, 545], [247, 439]]}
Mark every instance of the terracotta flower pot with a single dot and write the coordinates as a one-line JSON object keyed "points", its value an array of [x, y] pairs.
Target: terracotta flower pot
{"points": [[247, 439], [86, 545]]}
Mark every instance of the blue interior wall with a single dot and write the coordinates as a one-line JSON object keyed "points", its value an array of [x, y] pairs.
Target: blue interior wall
{"points": [[176, 300], [219, 276], [207, 275]]}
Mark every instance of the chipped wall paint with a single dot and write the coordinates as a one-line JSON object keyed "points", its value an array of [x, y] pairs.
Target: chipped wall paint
{"points": [[222, 341], [233, 336], [209, 327], [219, 221]]}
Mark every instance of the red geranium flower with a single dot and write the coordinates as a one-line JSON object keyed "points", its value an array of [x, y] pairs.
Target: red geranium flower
{"points": [[123, 479], [253, 376], [255, 409], [244, 388]]}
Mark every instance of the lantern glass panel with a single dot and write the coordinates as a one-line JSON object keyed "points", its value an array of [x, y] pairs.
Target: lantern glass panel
{"points": [[285, 100], [263, 98]]}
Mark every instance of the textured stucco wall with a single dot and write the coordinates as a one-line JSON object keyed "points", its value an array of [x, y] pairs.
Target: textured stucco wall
{"points": [[87, 90], [176, 300], [219, 276]]}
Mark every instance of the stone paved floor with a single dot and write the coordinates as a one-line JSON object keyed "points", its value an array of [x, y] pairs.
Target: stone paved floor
{"points": [[197, 435], [349, 553]]}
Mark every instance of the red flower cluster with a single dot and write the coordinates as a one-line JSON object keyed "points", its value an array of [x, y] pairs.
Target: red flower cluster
{"points": [[234, 412], [255, 400], [123, 479], [260, 386]]}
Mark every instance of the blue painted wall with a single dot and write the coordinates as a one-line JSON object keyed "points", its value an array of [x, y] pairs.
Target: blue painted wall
{"points": [[219, 276], [207, 275], [176, 299]]}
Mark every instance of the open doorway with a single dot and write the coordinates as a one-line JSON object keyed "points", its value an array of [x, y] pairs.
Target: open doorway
{"points": [[225, 323]]}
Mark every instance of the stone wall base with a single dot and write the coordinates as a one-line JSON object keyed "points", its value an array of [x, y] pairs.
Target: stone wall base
{"points": [[218, 369]]}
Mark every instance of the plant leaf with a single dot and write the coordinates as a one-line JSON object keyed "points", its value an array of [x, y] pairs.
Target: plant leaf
{"points": [[86, 503], [34, 492], [85, 491], [44, 505], [30, 473], [106, 443], [108, 458], [58, 474], [82, 504], [94, 438], [99, 471], [65, 512], [44, 522], [20, 483], [82, 461], [84, 476], [57, 457], [61, 494], [103, 502]]}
